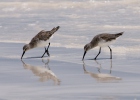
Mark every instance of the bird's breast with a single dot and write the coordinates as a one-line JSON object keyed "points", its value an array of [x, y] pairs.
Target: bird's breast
{"points": [[103, 43], [42, 43]]}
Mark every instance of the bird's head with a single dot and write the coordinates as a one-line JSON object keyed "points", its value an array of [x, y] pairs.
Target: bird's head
{"points": [[87, 47], [25, 48]]}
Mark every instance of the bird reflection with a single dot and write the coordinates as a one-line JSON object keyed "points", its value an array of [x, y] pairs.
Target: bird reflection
{"points": [[44, 73], [99, 68], [102, 77]]}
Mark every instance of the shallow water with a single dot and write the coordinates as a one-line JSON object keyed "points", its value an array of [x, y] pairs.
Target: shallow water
{"points": [[79, 20], [65, 76]]}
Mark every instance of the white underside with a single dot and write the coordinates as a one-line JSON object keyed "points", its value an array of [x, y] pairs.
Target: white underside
{"points": [[103, 43], [42, 43]]}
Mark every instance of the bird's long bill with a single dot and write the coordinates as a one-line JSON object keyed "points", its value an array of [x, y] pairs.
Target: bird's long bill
{"points": [[22, 54], [84, 55]]}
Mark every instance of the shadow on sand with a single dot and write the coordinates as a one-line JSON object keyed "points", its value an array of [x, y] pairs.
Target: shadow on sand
{"points": [[44, 73]]}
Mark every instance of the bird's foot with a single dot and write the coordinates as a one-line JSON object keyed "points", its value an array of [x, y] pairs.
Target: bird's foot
{"points": [[48, 53], [94, 59]]}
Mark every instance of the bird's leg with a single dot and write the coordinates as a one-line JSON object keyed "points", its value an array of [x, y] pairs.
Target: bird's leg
{"points": [[110, 52], [98, 53], [46, 51]]}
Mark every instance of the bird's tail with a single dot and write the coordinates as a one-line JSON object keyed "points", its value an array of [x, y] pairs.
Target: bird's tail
{"points": [[119, 34], [54, 29]]}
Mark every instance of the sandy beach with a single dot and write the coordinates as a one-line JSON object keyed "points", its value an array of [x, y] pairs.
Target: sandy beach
{"points": [[63, 75], [61, 78]]}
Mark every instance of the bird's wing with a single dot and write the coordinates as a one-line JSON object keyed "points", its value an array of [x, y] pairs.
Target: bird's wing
{"points": [[43, 35], [34, 41], [107, 37]]}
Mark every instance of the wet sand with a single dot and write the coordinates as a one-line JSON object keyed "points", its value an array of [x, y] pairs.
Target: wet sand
{"points": [[63, 76]]}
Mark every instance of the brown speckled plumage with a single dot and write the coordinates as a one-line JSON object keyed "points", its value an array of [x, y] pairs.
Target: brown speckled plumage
{"points": [[40, 40], [100, 39], [42, 35]]}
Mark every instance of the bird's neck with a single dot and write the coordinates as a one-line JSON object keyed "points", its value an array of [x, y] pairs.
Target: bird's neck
{"points": [[30, 46], [92, 45]]}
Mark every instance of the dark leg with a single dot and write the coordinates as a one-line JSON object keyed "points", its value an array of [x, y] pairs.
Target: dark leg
{"points": [[110, 52], [46, 51], [98, 53]]}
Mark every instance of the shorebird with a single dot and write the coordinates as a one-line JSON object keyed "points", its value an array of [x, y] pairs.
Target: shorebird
{"points": [[40, 40], [101, 40]]}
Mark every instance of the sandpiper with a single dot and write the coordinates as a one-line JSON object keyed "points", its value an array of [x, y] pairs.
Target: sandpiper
{"points": [[40, 40], [101, 40]]}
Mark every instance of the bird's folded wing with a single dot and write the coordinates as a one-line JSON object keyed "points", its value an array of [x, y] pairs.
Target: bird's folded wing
{"points": [[43, 35], [108, 37], [34, 41]]}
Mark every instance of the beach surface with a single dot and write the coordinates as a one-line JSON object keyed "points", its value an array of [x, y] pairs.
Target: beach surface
{"points": [[64, 76]]}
